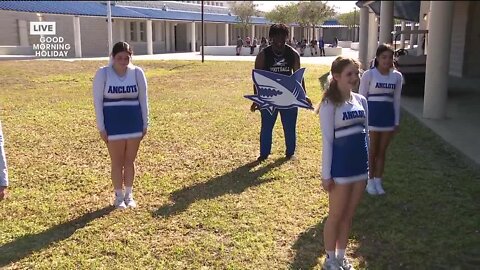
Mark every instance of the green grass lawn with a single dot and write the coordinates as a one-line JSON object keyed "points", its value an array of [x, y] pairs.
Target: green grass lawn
{"points": [[203, 204]]}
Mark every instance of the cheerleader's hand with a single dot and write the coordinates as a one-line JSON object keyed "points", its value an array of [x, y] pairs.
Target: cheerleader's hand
{"points": [[3, 193], [104, 136], [308, 100], [327, 184], [254, 107]]}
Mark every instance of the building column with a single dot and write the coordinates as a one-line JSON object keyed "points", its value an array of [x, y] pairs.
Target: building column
{"points": [[77, 36], [422, 24], [402, 36], [109, 26], [227, 35], [438, 60], [428, 27], [363, 41], [372, 36], [193, 37], [122, 29], [412, 36], [172, 36], [386, 22], [167, 36], [23, 32], [253, 32], [149, 37]]}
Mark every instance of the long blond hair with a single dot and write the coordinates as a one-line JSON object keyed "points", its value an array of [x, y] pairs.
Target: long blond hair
{"points": [[332, 93]]}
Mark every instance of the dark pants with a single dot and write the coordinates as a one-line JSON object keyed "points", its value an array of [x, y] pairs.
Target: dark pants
{"points": [[322, 51], [252, 49], [289, 122]]}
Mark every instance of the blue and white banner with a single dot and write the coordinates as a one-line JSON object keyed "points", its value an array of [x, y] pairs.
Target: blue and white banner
{"points": [[278, 91]]}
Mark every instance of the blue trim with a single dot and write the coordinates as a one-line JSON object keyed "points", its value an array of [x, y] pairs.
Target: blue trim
{"points": [[346, 127], [380, 95], [119, 99]]}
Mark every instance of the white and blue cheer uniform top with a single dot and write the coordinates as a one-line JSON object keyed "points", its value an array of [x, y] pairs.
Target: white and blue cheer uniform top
{"points": [[383, 93], [345, 140], [121, 105]]}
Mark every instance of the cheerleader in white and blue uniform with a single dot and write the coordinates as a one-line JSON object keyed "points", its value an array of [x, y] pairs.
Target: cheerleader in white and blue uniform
{"points": [[121, 108], [344, 125], [382, 86]]}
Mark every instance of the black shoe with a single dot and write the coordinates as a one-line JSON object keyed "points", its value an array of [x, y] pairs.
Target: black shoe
{"points": [[262, 158]]}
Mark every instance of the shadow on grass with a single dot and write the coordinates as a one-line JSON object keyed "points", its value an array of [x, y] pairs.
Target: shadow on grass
{"points": [[427, 220], [234, 182], [28, 244], [309, 246], [429, 217]]}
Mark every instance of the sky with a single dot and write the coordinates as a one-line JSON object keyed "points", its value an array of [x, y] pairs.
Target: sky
{"points": [[340, 6]]}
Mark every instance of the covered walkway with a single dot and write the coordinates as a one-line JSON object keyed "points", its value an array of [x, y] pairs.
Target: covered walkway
{"points": [[460, 128]]}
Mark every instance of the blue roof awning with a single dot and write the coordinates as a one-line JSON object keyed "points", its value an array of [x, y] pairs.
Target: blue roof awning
{"points": [[192, 16], [331, 22], [79, 8], [403, 10], [90, 8]]}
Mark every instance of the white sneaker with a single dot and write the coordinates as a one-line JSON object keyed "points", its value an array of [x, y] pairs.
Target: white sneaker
{"points": [[331, 264], [119, 203], [345, 264], [130, 202], [378, 186], [371, 188]]}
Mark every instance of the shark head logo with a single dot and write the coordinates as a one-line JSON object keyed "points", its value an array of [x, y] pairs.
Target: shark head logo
{"points": [[278, 91]]}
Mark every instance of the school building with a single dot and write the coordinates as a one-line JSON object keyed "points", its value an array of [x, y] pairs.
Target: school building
{"points": [[452, 74], [152, 27]]}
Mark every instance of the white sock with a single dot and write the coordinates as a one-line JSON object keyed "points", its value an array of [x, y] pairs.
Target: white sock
{"points": [[128, 191], [377, 180], [370, 181], [330, 254], [118, 193], [340, 254]]}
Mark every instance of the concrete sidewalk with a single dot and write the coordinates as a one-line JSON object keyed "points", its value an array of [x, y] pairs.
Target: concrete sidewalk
{"points": [[461, 128], [325, 60]]}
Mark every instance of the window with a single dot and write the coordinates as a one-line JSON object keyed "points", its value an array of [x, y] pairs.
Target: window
{"points": [[220, 4], [133, 31], [142, 32]]}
